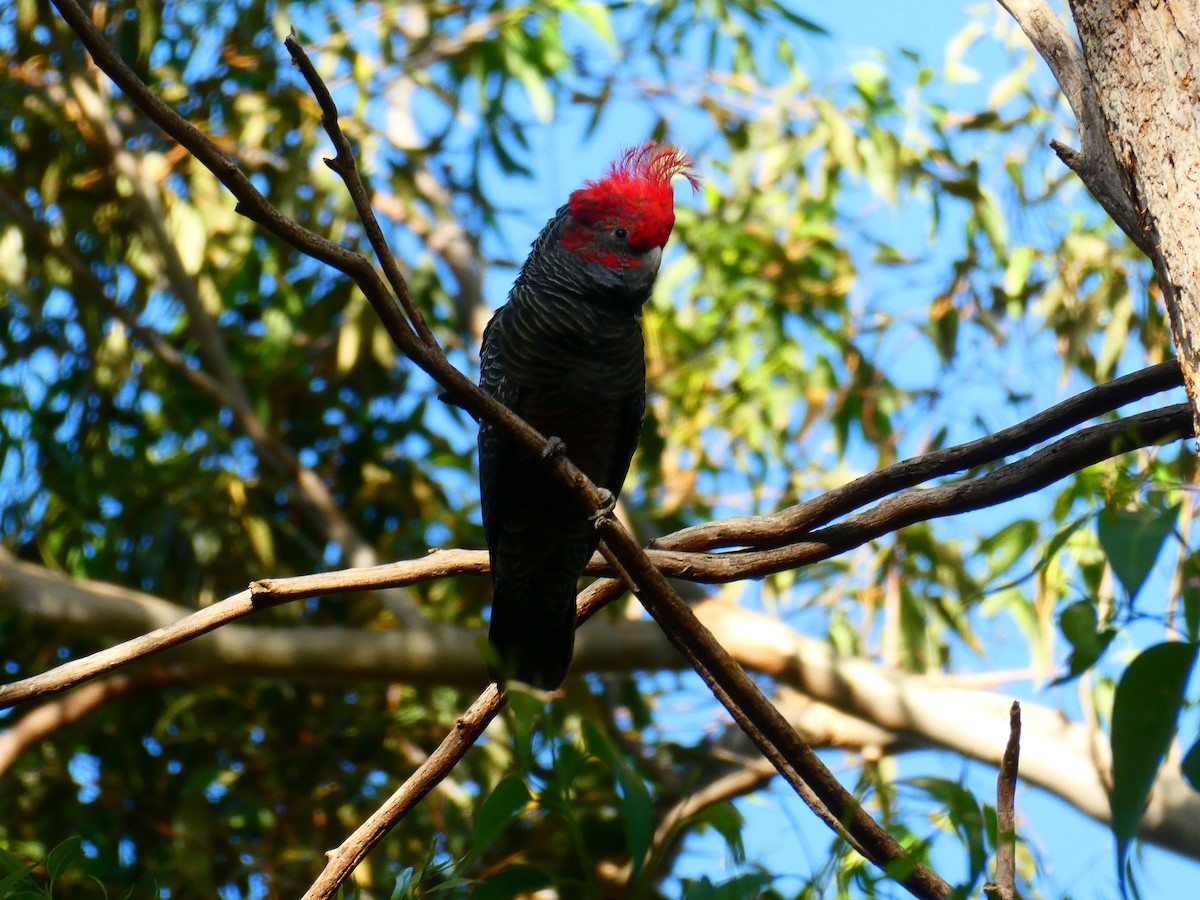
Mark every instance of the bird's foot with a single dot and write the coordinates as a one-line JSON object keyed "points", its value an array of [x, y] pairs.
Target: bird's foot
{"points": [[607, 504], [554, 447]]}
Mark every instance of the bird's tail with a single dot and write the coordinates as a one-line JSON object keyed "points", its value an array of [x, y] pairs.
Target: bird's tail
{"points": [[532, 634]]}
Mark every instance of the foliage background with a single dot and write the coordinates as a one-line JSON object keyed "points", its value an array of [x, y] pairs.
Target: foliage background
{"points": [[884, 259]]}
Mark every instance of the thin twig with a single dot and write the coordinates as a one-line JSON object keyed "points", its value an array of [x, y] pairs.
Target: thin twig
{"points": [[1005, 885], [345, 166], [77, 671], [466, 731], [237, 606]]}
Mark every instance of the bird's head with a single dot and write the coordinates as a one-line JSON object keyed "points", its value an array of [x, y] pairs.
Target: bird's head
{"points": [[619, 224]]}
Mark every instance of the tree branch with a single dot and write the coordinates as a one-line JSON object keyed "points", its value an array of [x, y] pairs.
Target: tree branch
{"points": [[42, 721], [917, 711], [1004, 887], [1095, 163], [345, 166], [1055, 461], [1065, 456], [466, 731], [765, 531]]}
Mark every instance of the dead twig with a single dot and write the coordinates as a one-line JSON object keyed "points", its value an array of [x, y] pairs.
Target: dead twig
{"points": [[466, 731], [1005, 885]]}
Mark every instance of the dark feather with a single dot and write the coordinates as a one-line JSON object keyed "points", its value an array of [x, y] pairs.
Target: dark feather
{"points": [[566, 354]]}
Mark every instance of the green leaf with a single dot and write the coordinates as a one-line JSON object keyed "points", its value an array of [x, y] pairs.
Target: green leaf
{"points": [[403, 880], [636, 806], [527, 710], [1132, 540], [1145, 711], [962, 809], [725, 820], [1191, 596], [13, 879], [1009, 544], [497, 809], [60, 858], [597, 18], [1079, 626], [1191, 766], [513, 881], [703, 889]]}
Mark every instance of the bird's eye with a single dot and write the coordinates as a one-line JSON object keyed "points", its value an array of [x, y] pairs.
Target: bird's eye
{"points": [[621, 234]]}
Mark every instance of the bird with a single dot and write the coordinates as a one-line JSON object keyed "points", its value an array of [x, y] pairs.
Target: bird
{"points": [[565, 352]]}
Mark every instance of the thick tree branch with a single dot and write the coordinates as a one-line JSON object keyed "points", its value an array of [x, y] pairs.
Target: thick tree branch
{"points": [[1094, 163], [765, 531], [1142, 64], [1132, 84], [1058, 460], [916, 711]]}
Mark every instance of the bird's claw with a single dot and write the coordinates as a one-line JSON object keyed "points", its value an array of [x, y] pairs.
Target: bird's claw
{"points": [[607, 504], [554, 447]]}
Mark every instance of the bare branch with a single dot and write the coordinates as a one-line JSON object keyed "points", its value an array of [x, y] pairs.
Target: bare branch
{"points": [[792, 757], [1058, 460], [26, 584], [354, 849], [759, 531], [345, 166], [1062, 757], [1005, 885], [42, 721]]}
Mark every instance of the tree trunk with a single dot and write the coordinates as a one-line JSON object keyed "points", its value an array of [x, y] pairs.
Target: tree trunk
{"points": [[1143, 57]]}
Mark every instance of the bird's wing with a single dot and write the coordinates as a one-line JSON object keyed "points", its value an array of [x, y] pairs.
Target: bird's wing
{"points": [[628, 434], [493, 450]]}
